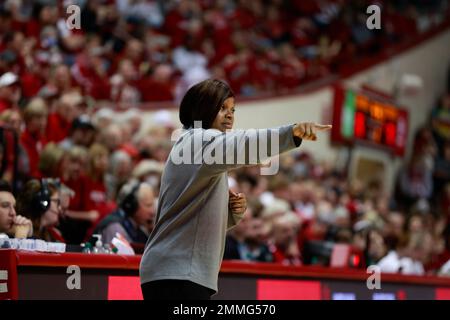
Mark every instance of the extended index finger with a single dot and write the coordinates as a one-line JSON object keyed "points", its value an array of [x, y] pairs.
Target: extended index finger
{"points": [[323, 127]]}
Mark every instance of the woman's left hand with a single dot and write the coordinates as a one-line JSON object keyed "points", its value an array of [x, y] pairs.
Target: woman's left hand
{"points": [[237, 202]]}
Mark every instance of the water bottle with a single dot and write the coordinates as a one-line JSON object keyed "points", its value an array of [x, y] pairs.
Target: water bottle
{"points": [[98, 244], [87, 247]]}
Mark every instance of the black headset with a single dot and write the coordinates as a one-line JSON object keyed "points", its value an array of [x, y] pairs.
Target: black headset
{"points": [[130, 203], [40, 201]]}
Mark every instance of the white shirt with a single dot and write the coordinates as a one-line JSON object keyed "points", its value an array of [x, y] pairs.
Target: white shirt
{"points": [[393, 263], [445, 269]]}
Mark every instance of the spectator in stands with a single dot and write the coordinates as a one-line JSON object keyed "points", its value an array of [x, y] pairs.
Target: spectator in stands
{"points": [[415, 223], [305, 200], [40, 202], [445, 266], [161, 150], [425, 146], [50, 160], [60, 121], [149, 171], [13, 121], [396, 224], [82, 133], [128, 146], [11, 224], [97, 167], [82, 212], [444, 203], [136, 211], [111, 137], [445, 270], [159, 86], [90, 71], [102, 118], [439, 120], [440, 252], [124, 88], [62, 80], [376, 248], [147, 10], [9, 91], [192, 64], [255, 247], [120, 168], [134, 54], [43, 14], [415, 181], [133, 118], [409, 257], [236, 236], [33, 138], [279, 187], [284, 246], [442, 169]]}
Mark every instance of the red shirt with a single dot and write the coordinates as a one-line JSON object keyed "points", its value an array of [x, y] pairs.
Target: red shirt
{"points": [[93, 83], [31, 84], [4, 105], [309, 232], [155, 91], [307, 7], [33, 29], [173, 26], [81, 200], [9, 152], [129, 148], [56, 235], [291, 74], [98, 201], [280, 257], [33, 145], [57, 128], [437, 261], [244, 18]]}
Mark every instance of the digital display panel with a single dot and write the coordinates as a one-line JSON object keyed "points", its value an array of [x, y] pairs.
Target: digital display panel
{"points": [[360, 116]]}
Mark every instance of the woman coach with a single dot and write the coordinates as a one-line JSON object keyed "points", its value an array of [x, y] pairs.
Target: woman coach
{"points": [[183, 254]]}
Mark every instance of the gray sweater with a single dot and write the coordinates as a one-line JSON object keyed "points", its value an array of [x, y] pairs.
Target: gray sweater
{"points": [[188, 240]]}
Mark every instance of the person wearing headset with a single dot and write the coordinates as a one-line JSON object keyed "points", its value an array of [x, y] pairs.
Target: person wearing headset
{"points": [[40, 202], [133, 216]]}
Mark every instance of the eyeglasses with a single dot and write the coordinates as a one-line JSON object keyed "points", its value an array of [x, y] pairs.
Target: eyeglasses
{"points": [[58, 201]]}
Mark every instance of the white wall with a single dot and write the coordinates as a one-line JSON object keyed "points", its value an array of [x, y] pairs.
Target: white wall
{"points": [[430, 61]]}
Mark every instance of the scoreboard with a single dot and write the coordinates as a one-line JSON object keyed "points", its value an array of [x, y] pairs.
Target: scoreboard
{"points": [[364, 117]]}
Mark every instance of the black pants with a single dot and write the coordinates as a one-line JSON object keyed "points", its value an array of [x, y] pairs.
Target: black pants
{"points": [[175, 290]]}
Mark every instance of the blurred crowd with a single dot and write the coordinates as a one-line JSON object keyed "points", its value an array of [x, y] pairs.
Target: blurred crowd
{"points": [[89, 168], [100, 164], [135, 51]]}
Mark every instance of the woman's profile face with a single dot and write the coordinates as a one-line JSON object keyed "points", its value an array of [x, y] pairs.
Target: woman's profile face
{"points": [[225, 118]]}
